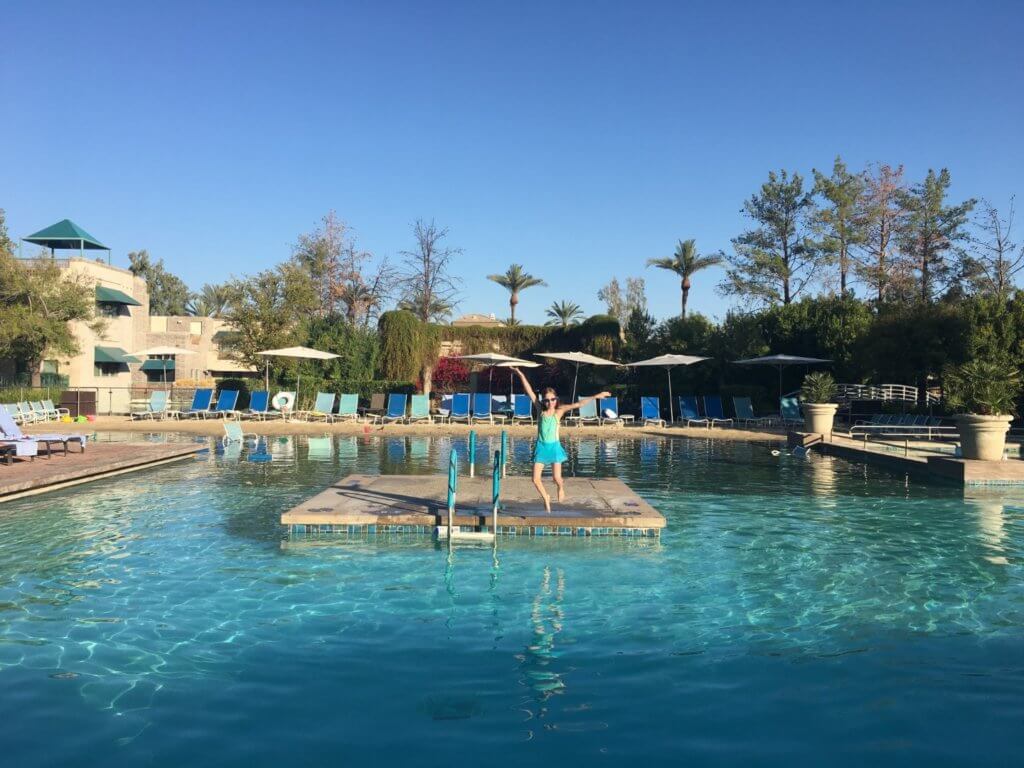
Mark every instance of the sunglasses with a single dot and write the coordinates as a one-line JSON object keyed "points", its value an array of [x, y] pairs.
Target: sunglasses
{"points": [[550, 400]]}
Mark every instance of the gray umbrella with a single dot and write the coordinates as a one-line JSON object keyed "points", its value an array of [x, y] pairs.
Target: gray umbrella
{"points": [[578, 358], [780, 362], [668, 362]]}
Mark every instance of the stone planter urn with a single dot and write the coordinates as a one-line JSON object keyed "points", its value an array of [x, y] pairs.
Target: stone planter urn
{"points": [[818, 418], [983, 437]]}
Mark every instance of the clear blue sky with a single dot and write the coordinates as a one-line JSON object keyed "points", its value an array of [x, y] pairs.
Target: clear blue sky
{"points": [[577, 138]]}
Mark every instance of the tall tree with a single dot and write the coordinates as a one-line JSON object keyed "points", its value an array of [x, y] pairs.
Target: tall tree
{"points": [[427, 287], [777, 259], [211, 301], [883, 217], [933, 228], [611, 295], [685, 262], [37, 301], [515, 280], [564, 313], [839, 223], [998, 258], [168, 294]]}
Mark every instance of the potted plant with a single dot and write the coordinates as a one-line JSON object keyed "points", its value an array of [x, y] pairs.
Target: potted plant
{"points": [[983, 393], [816, 397]]}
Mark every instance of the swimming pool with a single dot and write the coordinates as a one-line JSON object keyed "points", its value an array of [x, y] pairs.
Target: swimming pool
{"points": [[793, 612]]}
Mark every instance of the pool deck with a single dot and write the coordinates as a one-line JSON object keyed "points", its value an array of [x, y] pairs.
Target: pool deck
{"points": [[417, 503], [918, 458], [100, 460]]}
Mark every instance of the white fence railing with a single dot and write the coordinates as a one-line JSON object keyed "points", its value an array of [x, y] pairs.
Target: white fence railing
{"points": [[885, 392]]}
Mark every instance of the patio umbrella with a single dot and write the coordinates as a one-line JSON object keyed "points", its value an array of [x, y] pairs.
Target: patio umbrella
{"points": [[299, 353], [578, 358], [155, 351], [495, 360], [668, 362], [515, 364], [780, 362]]}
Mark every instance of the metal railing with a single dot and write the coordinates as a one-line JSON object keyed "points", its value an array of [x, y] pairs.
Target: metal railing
{"points": [[887, 393]]}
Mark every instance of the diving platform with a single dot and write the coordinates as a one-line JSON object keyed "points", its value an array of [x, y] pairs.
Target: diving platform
{"points": [[360, 504]]}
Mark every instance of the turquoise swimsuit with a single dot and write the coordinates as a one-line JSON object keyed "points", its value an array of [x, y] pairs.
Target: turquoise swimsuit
{"points": [[548, 449]]}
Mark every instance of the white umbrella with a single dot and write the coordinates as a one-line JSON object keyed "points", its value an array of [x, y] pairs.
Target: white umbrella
{"points": [[578, 358], [301, 353], [515, 364], [496, 360], [165, 350], [668, 362], [780, 362]]}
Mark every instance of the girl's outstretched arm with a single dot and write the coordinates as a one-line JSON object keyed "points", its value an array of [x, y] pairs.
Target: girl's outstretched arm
{"points": [[526, 386], [579, 403]]}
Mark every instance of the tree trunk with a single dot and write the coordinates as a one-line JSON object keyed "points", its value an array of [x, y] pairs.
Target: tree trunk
{"points": [[512, 301], [684, 295], [428, 379], [842, 271]]}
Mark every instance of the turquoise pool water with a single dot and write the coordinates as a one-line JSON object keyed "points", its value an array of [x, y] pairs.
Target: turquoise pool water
{"points": [[808, 612]]}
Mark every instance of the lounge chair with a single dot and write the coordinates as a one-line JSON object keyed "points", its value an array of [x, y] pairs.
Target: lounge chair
{"points": [[482, 408], [460, 409], [323, 408], [348, 408], [201, 400], [522, 409], [396, 408], [55, 412], [714, 411], [650, 411], [12, 433], [688, 413], [21, 449], [38, 410], [283, 404], [587, 414], [227, 399], [744, 408], [155, 408], [791, 413], [606, 404], [27, 414], [419, 409], [376, 408], [11, 409], [259, 405], [233, 432]]}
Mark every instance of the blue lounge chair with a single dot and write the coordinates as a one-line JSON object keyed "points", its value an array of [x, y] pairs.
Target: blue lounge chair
{"points": [[482, 408], [650, 411], [27, 414], [460, 408], [419, 409], [227, 399], [396, 408], [587, 414], [22, 449], [714, 411], [155, 408], [688, 412], [259, 406], [790, 410], [201, 400], [348, 408], [38, 411], [12, 432], [323, 408], [608, 405], [745, 413], [522, 409]]}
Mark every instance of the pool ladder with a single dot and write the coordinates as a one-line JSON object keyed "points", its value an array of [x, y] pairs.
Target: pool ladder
{"points": [[452, 532]]}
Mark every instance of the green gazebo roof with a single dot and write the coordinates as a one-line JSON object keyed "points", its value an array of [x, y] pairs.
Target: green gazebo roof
{"points": [[66, 235]]}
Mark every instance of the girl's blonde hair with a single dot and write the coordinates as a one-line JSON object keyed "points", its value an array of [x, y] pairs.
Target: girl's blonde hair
{"points": [[548, 391]]}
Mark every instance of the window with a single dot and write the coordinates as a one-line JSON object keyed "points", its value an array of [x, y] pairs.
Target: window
{"points": [[157, 324], [49, 366], [110, 369], [195, 327], [107, 309]]}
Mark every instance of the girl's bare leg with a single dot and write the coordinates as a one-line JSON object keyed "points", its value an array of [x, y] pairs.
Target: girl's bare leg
{"points": [[556, 473], [538, 470]]}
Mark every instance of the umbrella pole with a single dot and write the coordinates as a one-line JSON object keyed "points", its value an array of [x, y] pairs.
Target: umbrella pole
{"points": [[780, 390], [671, 408], [574, 380]]}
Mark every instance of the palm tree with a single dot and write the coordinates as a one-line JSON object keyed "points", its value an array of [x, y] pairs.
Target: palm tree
{"points": [[515, 280], [685, 262], [211, 301], [564, 313]]}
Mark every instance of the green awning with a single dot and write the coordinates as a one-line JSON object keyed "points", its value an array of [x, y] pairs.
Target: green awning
{"points": [[66, 234], [114, 296], [112, 355], [158, 365]]}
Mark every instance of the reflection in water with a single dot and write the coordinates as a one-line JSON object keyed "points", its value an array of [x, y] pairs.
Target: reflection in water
{"points": [[320, 448], [823, 478], [282, 447], [990, 509], [546, 617]]}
